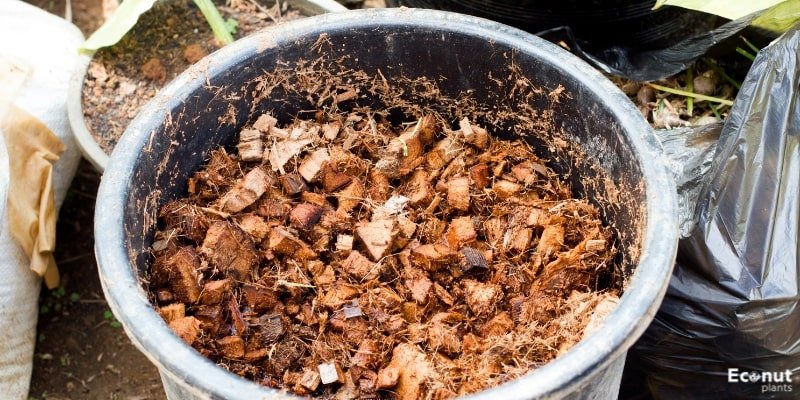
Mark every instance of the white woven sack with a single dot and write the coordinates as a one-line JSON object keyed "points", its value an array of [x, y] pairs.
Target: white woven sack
{"points": [[49, 45]]}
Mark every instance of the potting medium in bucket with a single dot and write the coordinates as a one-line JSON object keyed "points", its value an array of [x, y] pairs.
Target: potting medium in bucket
{"points": [[391, 203]]}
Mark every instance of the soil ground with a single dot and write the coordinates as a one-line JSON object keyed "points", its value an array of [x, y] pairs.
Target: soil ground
{"points": [[81, 351]]}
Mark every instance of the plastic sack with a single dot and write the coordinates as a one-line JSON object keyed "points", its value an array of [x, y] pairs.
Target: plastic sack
{"points": [[49, 45], [729, 326], [689, 151]]}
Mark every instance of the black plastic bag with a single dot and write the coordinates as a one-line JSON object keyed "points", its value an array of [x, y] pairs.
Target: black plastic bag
{"points": [[644, 64], [729, 326]]}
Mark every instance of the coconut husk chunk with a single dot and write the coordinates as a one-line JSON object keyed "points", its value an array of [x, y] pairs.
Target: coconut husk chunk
{"points": [[338, 295], [551, 241], [311, 166], [377, 237], [281, 152], [250, 147], [305, 215], [527, 171], [419, 286], [368, 354], [412, 369], [265, 122], [458, 193], [443, 338], [228, 249], [499, 325], [432, 257], [479, 175], [331, 130], [310, 380], [172, 312], [231, 346], [246, 192], [505, 189], [350, 197], [537, 218], [481, 297], [187, 328], [419, 189], [595, 245], [215, 292], [323, 273], [253, 225], [443, 152], [403, 154], [283, 242], [474, 260], [292, 184], [180, 271], [332, 179], [360, 267], [379, 186], [474, 134], [517, 239], [259, 298], [460, 232]]}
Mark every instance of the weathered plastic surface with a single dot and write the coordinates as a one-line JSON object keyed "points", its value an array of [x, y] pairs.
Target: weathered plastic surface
{"points": [[172, 136], [733, 298]]}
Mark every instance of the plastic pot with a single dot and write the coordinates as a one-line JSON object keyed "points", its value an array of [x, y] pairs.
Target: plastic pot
{"points": [[172, 136], [89, 147], [597, 24]]}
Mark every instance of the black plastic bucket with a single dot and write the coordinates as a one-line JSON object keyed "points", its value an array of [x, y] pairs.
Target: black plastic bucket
{"points": [[206, 106], [595, 23]]}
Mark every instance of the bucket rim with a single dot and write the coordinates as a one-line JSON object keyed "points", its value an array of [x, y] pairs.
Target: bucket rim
{"points": [[567, 373]]}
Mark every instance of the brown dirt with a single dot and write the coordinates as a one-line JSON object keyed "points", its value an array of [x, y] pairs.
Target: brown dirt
{"points": [[350, 251], [162, 44], [665, 110], [81, 351]]}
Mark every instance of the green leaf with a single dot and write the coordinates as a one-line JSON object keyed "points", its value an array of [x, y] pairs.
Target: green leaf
{"points": [[730, 9], [231, 24], [215, 20], [118, 25], [781, 17]]}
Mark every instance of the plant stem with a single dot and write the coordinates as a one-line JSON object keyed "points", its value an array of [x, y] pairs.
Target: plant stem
{"points": [[745, 53], [715, 111], [713, 65], [750, 45], [215, 21], [690, 89], [690, 94]]}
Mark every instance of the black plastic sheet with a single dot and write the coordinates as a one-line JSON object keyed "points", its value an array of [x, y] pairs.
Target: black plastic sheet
{"points": [[644, 64], [731, 313]]}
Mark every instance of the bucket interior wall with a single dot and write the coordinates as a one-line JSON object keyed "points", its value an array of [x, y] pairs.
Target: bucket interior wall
{"points": [[598, 152]]}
